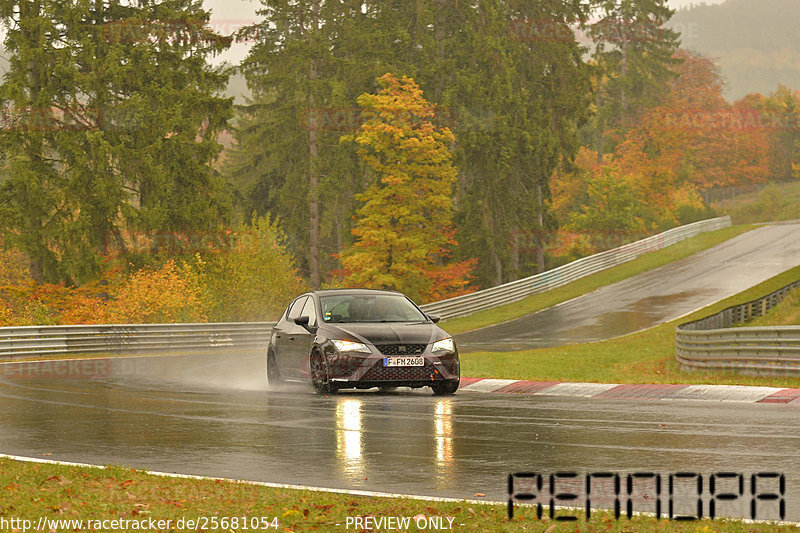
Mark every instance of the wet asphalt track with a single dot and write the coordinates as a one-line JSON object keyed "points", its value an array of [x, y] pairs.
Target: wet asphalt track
{"points": [[650, 298], [213, 415]]}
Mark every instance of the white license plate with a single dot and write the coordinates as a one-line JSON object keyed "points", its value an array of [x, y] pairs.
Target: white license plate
{"points": [[403, 361]]}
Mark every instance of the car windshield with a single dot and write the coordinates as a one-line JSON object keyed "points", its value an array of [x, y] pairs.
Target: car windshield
{"points": [[369, 308]]}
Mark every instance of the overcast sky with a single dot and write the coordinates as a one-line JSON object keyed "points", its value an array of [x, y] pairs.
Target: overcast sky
{"points": [[229, 15]]}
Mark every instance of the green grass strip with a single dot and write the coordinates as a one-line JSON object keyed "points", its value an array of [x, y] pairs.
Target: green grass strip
{"points": [[56, 492], [649, 261], [644, 357]]}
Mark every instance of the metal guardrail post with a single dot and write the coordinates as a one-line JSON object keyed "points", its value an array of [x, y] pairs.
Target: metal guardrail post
{"points": [[712, 343]]}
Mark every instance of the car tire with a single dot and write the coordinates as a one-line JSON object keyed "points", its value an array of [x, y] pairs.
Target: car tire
{"points": [[273, 372], [443, 388], [320, 377]]}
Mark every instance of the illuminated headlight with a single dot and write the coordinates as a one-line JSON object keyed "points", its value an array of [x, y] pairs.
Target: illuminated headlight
{"points": [[350, 346], [444, 345]]}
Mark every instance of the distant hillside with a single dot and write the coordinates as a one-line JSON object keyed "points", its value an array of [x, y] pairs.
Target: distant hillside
{"points": [[756, 43]]}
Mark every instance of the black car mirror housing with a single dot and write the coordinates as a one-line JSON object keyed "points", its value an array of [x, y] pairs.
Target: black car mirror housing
{"points": [[435, 318]]}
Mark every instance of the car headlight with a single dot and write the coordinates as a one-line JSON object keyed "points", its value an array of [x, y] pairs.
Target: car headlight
{"points": [[444, 345], [351, 346]]}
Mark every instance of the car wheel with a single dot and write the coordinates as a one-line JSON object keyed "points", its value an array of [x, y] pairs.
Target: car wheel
{"points": [[441, 388], [273, 373], [320, 378]]}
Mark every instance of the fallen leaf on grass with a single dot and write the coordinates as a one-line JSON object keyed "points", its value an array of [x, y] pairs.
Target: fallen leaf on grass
{"points": [[60, 479], [479, 495]]}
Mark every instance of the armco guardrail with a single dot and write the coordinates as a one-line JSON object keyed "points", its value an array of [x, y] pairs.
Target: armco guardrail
{"points": [[517, 290], [27, 341], [711, 342]]}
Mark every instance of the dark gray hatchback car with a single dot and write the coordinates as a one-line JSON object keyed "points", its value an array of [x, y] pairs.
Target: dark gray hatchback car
{"points": [[361, 338]]}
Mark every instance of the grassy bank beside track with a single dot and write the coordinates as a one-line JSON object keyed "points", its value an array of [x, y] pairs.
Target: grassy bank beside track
{"points": [[537, 302], [776, 201], [644, 357], [33, 491]]}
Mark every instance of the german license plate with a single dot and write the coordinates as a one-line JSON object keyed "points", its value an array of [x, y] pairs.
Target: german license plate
{"points": [[403, 361]]}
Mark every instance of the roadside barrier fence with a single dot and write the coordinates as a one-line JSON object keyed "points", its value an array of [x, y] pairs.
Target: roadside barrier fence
{"points": [[517, 290], [713, 343], [27, 341]]}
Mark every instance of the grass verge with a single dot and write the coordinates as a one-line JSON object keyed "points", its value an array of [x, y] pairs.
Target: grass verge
{"points": [[537, 302], [786, 313], [644, 357], [57, 492], [776, 201]]}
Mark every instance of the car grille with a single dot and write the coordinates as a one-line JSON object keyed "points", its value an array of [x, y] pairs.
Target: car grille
{"points": [[344, 366], [399, 373], [401, 349]]}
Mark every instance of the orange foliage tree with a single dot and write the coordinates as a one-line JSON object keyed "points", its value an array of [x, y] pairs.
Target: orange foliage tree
{"points": [[404, 228], [692, 141], [171, 293]]}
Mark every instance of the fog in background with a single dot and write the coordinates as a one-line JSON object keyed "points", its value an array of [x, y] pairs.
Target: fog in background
{"points": [[226, 12]]}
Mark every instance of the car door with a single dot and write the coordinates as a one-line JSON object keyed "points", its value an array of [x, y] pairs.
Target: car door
{"points": [[285, 330], [304, 336]]}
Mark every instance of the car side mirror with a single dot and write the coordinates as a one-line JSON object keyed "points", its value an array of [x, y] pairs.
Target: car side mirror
{"points": [[434, 318], [301, 321]]}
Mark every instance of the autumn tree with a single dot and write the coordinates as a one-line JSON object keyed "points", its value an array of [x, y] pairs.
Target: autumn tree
{"points": [[309, 61], [779, 115], [513, 101], [404, 228], [694, 140]]}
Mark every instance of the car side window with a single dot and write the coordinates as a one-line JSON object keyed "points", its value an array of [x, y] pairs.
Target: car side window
{"points": [[310, 310], [296, 308]]}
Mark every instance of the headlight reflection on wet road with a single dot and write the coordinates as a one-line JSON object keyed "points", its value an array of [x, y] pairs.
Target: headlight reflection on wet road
{"points": [[349, 439]]}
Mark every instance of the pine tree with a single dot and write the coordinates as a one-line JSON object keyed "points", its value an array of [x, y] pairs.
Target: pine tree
{"points": [[116, 117], [635, 53]]}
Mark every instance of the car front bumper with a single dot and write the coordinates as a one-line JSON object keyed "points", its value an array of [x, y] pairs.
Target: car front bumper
{"points": [[348, 370]]}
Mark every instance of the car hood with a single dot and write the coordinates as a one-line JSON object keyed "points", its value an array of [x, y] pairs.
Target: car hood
{"points": [[389, 333]]}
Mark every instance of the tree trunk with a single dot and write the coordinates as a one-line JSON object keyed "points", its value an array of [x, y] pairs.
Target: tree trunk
{"points": [[624, 72], [540, 229], [313, 178], [599, 128]]}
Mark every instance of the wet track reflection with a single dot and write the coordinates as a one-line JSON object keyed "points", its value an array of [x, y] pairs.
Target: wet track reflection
{"points": [[213, 415]]}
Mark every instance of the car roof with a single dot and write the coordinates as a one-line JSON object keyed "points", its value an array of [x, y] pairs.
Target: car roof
{"points": [[329, 292]]}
